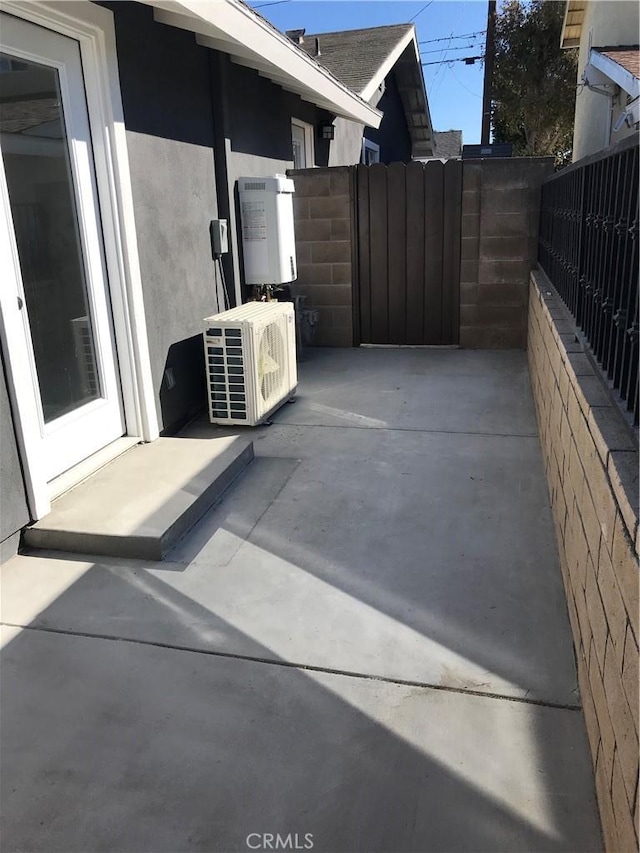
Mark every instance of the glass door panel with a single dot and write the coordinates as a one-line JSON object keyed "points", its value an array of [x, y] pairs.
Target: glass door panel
{"points": [[45, 218], [54, 262]]}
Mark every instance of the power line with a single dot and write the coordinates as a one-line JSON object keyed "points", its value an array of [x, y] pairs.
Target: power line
{"points": [[275, 3], [455, 77], [435, 83], [462, 47], [426, 6], [470, 60], [449, 38]]}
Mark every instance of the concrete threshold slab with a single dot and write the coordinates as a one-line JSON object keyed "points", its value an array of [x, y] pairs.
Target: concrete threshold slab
{"points": [[143, 502]]}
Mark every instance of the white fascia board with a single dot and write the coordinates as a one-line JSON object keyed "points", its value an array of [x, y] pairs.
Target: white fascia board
{"points": [[424, 89], [614, 72], [388, 64], [239, 31]]}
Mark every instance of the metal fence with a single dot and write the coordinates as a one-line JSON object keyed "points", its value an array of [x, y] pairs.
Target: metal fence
{"points": [[588, 247]]}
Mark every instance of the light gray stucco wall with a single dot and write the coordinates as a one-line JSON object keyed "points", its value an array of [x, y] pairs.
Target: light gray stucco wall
{"points": [[14, 512], [346, 148], [615, 22]]}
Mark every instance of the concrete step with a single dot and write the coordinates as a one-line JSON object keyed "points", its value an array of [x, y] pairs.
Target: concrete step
{"points": [[143, 502]]}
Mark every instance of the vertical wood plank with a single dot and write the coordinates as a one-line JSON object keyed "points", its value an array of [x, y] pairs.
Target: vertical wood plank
{"points": [[364, 266], [415, 253], [451, 252], [397, 252], [378, 242], [355, 261], [433, 245]]}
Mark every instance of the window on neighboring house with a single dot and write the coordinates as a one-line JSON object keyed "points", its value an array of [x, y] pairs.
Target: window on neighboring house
{"points": [[302, 143], [370, 152]]}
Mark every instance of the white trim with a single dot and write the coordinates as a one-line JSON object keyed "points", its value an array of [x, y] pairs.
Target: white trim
{"points": [[614, 72], [309, 148], [236, 29], [376, 85], [368, 145], [92, 26], [632, 111], [19, 362], [388, 64], [71, 479]]}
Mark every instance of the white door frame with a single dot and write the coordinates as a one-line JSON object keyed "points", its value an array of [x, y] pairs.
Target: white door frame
{"points": [[309, 147], [92, 26]]}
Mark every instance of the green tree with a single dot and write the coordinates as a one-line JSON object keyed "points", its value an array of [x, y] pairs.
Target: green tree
{"points": [[534, 80]]}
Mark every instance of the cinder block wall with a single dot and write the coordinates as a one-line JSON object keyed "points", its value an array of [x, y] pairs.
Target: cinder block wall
{"points": [[499, 233], [322, 210], [592, 472]]}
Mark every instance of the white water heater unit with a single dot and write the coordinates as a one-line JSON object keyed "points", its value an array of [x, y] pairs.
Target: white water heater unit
{"points": [[268, 239]]}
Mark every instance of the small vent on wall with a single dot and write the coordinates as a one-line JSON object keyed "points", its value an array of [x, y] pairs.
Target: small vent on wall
{"points": [[257, 185]]}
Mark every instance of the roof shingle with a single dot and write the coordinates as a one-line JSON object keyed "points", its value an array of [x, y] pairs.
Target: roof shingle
{"points": [[627, 57], [448, 143], [354, 56]]}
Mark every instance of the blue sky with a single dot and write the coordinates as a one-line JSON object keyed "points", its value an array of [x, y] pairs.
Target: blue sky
{"points": [[454, 91]]}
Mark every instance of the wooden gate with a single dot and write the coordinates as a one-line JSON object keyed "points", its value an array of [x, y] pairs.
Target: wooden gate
{"points": [[407, 253]]}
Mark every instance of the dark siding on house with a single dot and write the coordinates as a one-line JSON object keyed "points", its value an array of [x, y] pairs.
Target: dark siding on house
{"points": [[260, 116], [14, 512], [392, 136], [183, 104], [166, 94], [254, 116]]}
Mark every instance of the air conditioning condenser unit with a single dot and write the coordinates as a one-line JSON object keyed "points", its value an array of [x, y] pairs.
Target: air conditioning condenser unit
{"points": [[250, 354]]}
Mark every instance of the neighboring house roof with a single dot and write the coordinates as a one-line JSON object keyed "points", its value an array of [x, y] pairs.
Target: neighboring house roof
{"points": [[233, 27], [627, 57], [617, 66], [573, 20], [356, 56], [363, 58], [448, 143]]}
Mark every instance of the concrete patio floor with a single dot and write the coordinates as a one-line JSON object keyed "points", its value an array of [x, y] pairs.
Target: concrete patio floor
{"points": [[366, 641]]}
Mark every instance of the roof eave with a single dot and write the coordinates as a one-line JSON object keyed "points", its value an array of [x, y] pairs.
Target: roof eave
{"points": [[233, 28], [614, 72], [380, 75], [572, 25], [422, 137]]}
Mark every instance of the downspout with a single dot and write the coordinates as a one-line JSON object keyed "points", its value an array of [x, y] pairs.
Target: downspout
{"points": [[218, 72]]}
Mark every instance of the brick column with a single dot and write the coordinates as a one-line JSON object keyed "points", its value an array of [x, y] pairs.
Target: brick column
{"points": [[499, 234], [322, 210]]}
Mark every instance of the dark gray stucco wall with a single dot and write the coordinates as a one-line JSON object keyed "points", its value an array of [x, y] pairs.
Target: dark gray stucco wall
{"points": [[260, 113], [253, 124], [165, 82], [14, 512], [392, 136]]}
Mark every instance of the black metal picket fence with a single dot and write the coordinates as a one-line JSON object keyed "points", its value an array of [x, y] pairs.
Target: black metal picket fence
{"points": [[588, 247]]}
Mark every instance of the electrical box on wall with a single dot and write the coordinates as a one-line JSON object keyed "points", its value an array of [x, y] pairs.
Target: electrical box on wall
{"points": [[268, 239], [219, 237]]}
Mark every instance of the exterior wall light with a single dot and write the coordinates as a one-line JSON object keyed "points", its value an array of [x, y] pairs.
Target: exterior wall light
{"points": [[327, 130]]}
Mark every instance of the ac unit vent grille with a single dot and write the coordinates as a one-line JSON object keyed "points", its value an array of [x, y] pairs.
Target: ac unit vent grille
{"points": [[255, 185], [250, 361]]}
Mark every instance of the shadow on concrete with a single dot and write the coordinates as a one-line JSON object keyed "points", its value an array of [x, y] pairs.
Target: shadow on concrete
{"points": [[131, 746], [148, 707]]}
